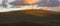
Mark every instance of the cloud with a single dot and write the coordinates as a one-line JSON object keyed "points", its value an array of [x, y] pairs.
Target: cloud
{"points": [[0, 1], [11, 0]]}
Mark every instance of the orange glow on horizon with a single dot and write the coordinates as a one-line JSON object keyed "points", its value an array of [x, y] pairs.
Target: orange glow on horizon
{"points": [[31, 1], [29, 9]]}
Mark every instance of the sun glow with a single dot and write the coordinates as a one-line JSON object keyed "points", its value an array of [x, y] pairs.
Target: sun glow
{"points": [[31, 1]]}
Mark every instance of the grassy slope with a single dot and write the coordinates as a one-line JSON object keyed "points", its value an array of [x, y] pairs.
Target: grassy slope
{"points": [[30, 17]]}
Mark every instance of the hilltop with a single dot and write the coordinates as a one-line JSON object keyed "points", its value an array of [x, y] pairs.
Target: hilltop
{"points": [[30, 17], [32, 12]]}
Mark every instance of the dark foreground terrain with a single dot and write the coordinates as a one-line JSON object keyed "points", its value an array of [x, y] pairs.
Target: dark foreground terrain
{"points": [[30, 18]]}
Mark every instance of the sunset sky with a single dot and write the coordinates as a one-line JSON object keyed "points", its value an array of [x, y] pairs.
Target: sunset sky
{"points": [[29, 6]]}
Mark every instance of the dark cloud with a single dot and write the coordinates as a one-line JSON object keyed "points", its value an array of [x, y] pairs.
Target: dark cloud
{"points": [[43, 3], [51, 3]]}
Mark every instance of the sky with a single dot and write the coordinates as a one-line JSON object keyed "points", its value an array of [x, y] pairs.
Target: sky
{"points": [[23, 7], [0, 2], [11, 0], [8, 1]]}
